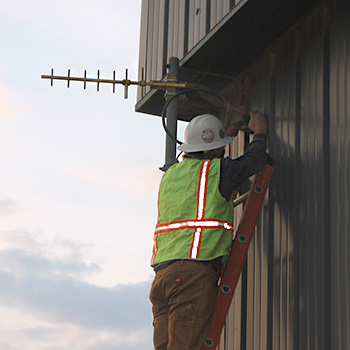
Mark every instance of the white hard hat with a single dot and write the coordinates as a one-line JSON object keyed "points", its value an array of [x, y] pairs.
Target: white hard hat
{"points": [[204, 132]]}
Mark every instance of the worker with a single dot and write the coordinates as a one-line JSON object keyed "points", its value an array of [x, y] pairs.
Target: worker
{"points": [[194, 231]]}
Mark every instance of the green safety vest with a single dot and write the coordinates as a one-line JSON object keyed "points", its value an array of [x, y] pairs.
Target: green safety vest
{"points": [[194, 219]]}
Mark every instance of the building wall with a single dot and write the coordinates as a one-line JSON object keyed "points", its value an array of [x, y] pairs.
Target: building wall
{"points": [[172, 28], [294, 292], [339, 175], [296, 289]]}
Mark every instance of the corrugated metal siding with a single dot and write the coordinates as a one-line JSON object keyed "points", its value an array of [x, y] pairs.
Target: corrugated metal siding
{"points": [[218, 10], [286, 296], [314, 200], [143, 45], [176, 34], [153, 26], [302, 240], [340, 175], [197, 22], [284, 227], [155, 43], [231, 336], [255, 336], [183, 23]]}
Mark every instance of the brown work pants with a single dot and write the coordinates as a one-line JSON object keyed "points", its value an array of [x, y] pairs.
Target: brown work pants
{"points": [[183, 297]]}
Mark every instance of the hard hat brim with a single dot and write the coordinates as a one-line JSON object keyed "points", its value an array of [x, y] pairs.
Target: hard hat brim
{"points": [[206, 147]]}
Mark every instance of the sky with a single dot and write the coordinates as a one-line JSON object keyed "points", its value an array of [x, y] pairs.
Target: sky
{"points": [[78, 180]]}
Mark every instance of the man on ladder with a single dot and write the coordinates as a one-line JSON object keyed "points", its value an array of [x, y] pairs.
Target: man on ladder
{"points": [[194, 231]]}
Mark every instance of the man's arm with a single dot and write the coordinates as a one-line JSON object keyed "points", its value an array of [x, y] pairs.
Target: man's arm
{"points": [[235, 171]]}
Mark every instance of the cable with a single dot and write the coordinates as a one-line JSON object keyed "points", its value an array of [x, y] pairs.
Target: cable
{"points": [[190, 87], [178, 156]]}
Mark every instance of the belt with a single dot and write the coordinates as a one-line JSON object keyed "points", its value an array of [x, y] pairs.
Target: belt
{"points": [[216, 264]]}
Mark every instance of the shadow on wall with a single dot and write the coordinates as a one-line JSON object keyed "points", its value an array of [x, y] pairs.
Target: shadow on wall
{"points": [[297, 253]]}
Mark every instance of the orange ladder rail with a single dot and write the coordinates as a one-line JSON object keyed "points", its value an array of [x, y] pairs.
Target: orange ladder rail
{"points": [[238, 255]]}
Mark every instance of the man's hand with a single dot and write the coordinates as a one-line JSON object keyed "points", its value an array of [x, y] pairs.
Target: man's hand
{"points": [[232, 129], [258, 123]]}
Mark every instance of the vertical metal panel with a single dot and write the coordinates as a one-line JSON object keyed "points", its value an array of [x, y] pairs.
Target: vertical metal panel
{"points": [[176, 28], [219, 9], [143, 44], [340, 174], [186, 25], [165, 57], [257, 261], [313, 291], [286, 148], [157, 28], [197, 22], [231, 338], [213, 14], [152, 40]]}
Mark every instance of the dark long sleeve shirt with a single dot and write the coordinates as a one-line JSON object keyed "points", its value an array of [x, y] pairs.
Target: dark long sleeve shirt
{"points": [[235, 171]]}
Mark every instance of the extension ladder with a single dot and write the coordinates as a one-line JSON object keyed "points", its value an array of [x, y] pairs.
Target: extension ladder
{"points": [[239, 253]]}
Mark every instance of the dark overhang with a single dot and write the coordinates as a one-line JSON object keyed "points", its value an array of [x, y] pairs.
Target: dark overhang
{"points": [[233, 44]]}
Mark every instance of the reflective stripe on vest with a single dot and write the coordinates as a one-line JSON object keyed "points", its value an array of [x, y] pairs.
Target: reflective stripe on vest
{"points": [[178, 225], [201, 202], [200, 223]]}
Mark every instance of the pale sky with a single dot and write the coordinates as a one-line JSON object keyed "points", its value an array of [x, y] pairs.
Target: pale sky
{"points": [[78, 180]]}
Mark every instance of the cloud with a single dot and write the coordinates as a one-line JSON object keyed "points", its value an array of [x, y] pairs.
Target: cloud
{"points": [[25, 332], [7, 206], [50, 289], [7, 346], [62, 299], [138, 341], [40, 331], [33, 263]]}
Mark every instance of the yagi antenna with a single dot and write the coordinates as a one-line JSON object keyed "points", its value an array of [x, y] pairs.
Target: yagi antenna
{"points": [[170, 84], [162, 85]]}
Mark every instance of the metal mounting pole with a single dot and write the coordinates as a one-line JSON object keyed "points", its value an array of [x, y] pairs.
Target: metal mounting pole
{"points": [[171, 114]]}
